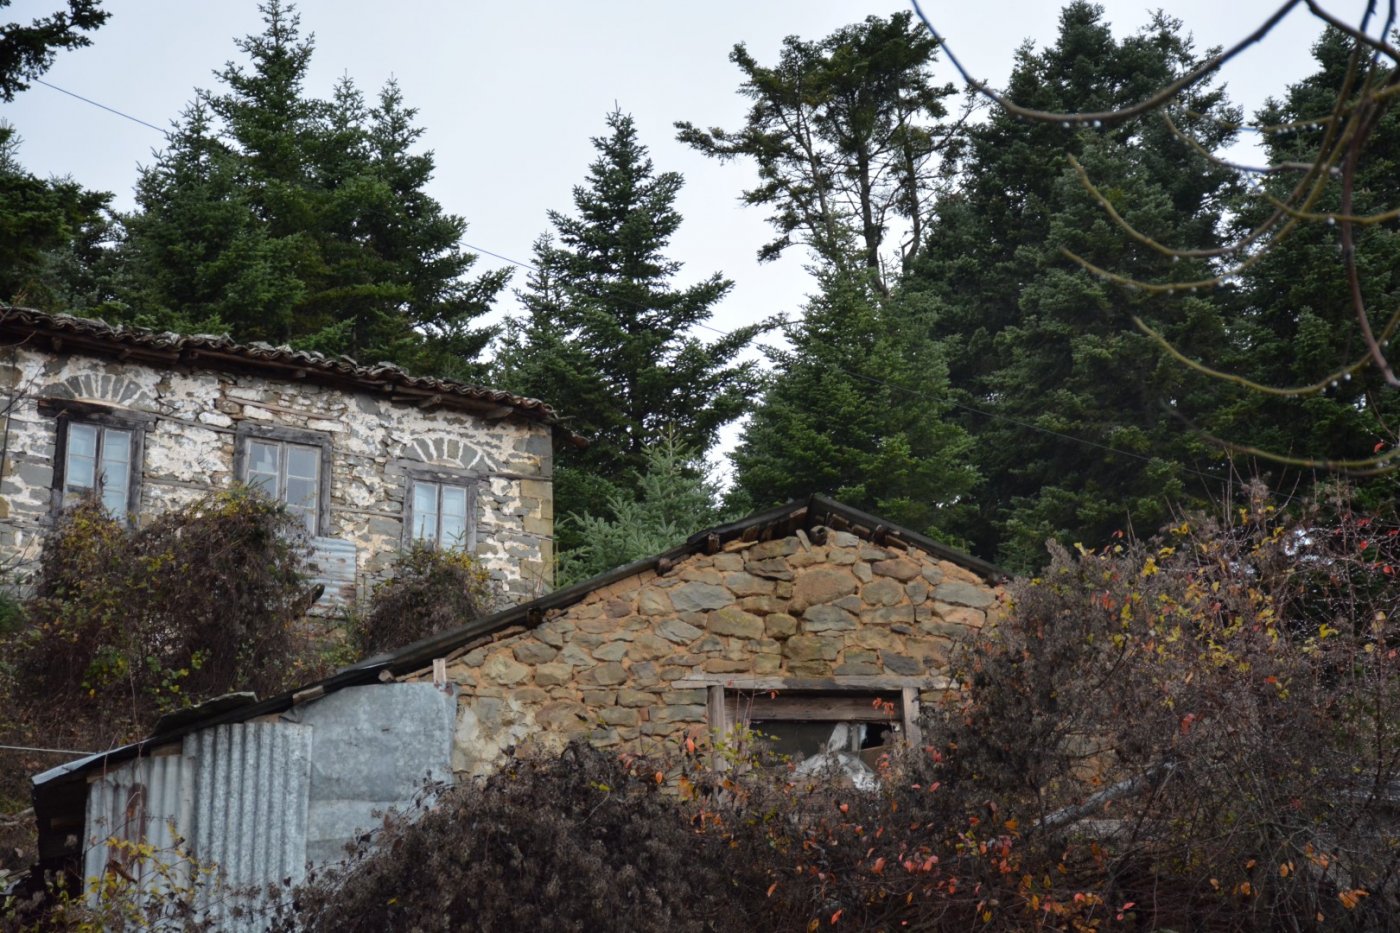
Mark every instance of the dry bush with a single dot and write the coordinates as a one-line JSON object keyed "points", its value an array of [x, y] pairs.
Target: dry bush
{"points": [[1207, 726], [581, 841], [124, 624], [428, 591]]}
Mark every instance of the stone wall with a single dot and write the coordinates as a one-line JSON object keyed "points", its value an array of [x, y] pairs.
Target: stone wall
{"points": [[629, 664], [190, 444]]}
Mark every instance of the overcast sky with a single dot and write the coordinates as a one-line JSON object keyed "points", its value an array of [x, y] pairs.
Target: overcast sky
{"points": [[511, 92]]}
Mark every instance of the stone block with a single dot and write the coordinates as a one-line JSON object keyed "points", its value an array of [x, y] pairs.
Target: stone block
{"points": [[828, 619], [813, 668], [858, 669], [686, 697], [699, 597], [681, 714], [727, 563], [774, 568], [553, 675], [565, 716], [681, 633], [862, 572], [960, 593], [726, 665], [576, 656], [634, 698], [735, 623], [779, 625], [612, 651], [619, 716], [900, 568], [891, 615], [746, 584], [767, 664], [882, 592], [617, 609], [780, 547], [901, 664], [644, 674], [608, 674], [811, 647], [654, 602], [534, 652], [649, 647], [821, 585], [529, 696], [504, 670], [554, 632]]}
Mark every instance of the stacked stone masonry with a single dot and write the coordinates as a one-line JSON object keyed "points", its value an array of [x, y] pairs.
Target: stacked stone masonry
{"points": [[621, 666], [191, 419]]}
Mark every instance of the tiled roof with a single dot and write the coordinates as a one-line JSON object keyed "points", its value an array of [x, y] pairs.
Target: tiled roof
{"points": [[59, 332]]}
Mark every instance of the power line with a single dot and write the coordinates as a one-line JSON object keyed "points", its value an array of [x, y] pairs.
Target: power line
{"points": [[912, 393], [53, 751], [125, 116]]}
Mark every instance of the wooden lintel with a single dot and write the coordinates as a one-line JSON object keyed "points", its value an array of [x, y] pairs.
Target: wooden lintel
{"points": [[430, 402], [798, 707]]}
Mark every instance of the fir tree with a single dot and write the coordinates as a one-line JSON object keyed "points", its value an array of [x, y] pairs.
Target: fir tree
{"points": [[1078, 433], [606, 330], [281, 217], [857, 409]]}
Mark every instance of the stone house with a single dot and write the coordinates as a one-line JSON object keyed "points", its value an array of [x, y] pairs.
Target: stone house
{"points": [[368, 457], [823, 625]]}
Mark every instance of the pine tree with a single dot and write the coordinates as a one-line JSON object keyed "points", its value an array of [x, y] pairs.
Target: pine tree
{"points": [[281, 217], [607, 331]]}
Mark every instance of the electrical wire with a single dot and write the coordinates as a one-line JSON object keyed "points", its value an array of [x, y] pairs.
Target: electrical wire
{"points": [[911, 393]]}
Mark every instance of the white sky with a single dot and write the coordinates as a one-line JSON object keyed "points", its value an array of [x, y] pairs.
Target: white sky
{"points": [[510, 94]]}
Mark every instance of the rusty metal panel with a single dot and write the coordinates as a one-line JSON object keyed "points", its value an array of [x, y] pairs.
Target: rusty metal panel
{"points": [[146, 801]]}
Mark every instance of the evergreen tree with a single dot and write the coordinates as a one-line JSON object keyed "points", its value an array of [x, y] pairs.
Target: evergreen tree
{"points": [[1292, 309], [1080, 435], [42, 223], [607, 331], [857, 409], [845, 133], [27, 51], [281, 217], [673, 498]]}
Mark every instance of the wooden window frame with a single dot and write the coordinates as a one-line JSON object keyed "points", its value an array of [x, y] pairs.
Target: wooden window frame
{"points": [[247, 433], [439, 477], [67, 412]]}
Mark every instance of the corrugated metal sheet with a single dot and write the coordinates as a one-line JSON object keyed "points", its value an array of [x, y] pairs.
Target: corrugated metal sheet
{"points": [[332, 564], [236, 797]]}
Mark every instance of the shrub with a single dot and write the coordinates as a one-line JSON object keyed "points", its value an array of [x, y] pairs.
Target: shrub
{"points": [[428, 591], [581, 841]]}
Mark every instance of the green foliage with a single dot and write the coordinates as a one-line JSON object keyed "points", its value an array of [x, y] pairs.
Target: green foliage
{"points": [[607, 330], [858, 410], [674, 498], [41, 222], [1081, 433], [428, 591], [288, 219], [1293, 316], [863, 158], [26, 52]]}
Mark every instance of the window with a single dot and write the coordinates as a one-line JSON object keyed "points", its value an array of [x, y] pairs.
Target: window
{"points": [[97, 453], [441, 514], [292, 467], [97, 461], [840, 734]]}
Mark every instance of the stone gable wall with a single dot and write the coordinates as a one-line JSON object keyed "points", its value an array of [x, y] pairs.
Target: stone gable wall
{"points": [[189, 450], [621, 666]]}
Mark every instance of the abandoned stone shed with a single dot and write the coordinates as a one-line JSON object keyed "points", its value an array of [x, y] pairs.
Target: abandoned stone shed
{"points": [[820, 622], [369, 457]]}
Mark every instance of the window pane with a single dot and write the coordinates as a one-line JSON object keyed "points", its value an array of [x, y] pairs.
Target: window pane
{"points": [[454, 501], [303, 462], [116, 446], [262, 467], [301, 493], [425, 511], [114, 499], [454, 531], [82, 441]]}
